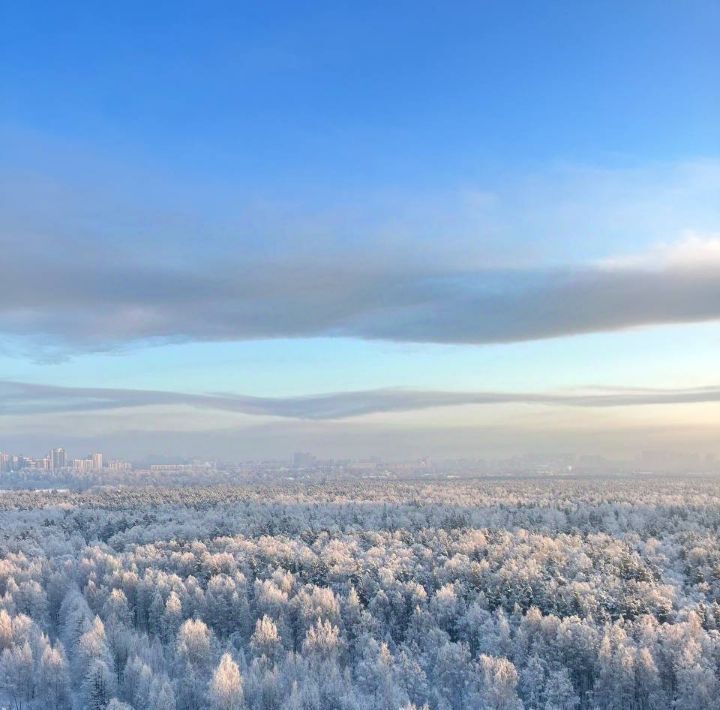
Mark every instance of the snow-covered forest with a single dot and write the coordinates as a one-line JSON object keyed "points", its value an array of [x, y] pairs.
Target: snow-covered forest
{"points": [[363, 595]]}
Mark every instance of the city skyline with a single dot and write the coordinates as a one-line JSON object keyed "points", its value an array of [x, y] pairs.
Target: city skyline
{"points": [[60, 467], [361, 231], [57, 459]]}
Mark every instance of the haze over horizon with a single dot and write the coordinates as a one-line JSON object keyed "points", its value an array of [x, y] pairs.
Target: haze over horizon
{"points": [[361, 229]]}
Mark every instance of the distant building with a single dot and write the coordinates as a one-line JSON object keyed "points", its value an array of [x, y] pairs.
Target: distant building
{"points": [[58, 459], [92, 462], [82, 465]]}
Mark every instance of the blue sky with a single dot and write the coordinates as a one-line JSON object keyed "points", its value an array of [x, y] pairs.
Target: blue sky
{"points": [[280, 200]]}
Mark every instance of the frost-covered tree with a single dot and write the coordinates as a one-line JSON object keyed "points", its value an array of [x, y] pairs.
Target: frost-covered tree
{"points": [[226, 686], [499, 684], [559, 691], [265, 640], [98, 686], [573, 595], [54, 678], [16, 673]]}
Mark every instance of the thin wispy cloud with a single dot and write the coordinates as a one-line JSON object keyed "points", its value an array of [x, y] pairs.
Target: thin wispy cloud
{"points": [[18, 398]]}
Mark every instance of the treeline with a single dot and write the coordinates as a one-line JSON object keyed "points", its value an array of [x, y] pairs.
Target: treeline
{"points": [[352, 596]]}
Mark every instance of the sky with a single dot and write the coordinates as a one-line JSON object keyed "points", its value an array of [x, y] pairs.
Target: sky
{"points": [[393, 229]]}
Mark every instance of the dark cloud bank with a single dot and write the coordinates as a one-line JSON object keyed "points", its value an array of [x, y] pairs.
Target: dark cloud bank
{"points": [[95, 306], [23, 398]]}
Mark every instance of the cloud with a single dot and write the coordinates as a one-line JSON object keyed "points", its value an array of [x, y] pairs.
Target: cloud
{"points": [[105, 307], [119, 259], [693, 250], [17, 398]]}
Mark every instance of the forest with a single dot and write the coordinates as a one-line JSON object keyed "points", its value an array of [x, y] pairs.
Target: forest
{"points": [[552, 595]]}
